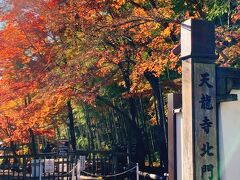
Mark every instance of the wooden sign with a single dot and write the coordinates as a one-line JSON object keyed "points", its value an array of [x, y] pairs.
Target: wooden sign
{"points": [[81, 162], [63, 147], [200, 157], [49, 165], [205, 121]]}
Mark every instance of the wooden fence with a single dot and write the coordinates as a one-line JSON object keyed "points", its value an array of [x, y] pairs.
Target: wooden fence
{"points": [[29, 167]]}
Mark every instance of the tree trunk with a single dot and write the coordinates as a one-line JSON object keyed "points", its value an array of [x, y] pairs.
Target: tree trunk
{"points": [[71, 125], [140, 151], [157, 90], [88, 122], [33, 143], [140, 146], [13, 149]]}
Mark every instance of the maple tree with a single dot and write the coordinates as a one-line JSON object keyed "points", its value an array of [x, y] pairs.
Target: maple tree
{"points": [[38, 64]]}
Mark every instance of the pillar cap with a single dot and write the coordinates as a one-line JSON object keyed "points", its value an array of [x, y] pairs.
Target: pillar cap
{"points": [[198, 39]]}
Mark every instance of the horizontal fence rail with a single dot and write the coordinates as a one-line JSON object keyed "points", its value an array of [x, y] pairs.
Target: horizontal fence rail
{"points": [[30, 167]]}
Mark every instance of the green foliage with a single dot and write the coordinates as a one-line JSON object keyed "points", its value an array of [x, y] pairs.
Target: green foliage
{"points": [[79, 115], [82, 142], [180, 6], [217, 9], [112, 91]]}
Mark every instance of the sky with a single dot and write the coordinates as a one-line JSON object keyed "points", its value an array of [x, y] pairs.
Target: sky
{"points": [[1, 23]]}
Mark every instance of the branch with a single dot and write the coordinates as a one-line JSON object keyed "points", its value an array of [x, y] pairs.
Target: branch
{"points": [[111, 105]]}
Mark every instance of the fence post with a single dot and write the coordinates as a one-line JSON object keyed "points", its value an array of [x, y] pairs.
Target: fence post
{"points": [[73, 172], [174, 102], [40, 170], [78, 169], [137, 171], [24, 167]]}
